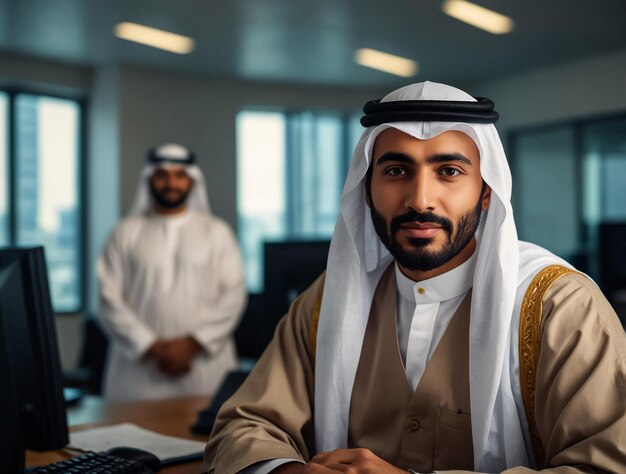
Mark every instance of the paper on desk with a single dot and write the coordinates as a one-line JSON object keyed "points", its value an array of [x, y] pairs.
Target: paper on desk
{"points": [[131, 435]]}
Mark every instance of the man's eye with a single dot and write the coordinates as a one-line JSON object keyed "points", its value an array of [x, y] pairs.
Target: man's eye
{"points": [[395, 171], [450, 172]]}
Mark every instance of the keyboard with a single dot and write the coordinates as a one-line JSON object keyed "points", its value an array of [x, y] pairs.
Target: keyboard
{"points": [[94, 463]]}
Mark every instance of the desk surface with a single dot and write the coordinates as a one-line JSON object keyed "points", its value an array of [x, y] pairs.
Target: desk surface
{"points": [[170, 417]]}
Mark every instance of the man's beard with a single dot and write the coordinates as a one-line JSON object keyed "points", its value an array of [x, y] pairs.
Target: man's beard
{"points": [[418, 257], [161, 198]]}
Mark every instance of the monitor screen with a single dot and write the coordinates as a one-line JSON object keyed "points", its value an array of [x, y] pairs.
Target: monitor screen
{"points": [[612, 250], [290, 267], [32, 408]]}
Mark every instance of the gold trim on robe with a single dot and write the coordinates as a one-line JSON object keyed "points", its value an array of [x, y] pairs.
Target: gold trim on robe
{"points": [[530, 346]]}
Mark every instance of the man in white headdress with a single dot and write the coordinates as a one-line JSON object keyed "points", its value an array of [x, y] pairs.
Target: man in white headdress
{"points": [[436, 339], [171, 286]]}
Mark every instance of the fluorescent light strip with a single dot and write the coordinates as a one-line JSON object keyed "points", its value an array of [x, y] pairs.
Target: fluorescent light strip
{"points": [[154, 37], [389, 63], [478, 16]]}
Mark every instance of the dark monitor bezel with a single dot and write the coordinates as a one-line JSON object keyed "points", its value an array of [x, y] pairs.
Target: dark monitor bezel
{"points": [[31, 368], [291, 265]]}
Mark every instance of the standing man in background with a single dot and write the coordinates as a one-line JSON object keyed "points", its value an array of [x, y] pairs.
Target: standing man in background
{"points": [[171, 286]]}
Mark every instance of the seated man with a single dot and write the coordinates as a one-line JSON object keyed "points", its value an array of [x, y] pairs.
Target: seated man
{"points": [[436, 339]]}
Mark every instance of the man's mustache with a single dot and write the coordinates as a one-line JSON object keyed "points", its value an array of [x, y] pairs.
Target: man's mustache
{"points": [[167, 190], [422, 218]]}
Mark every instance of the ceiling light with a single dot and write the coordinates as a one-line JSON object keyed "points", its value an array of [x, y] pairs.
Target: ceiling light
{"points": [[154, 37], [386, 62], [478, 16]]}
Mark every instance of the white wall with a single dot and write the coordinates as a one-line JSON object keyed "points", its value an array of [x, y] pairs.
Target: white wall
{"points": [[587, 88], [103, 169], [46, 76], [200, 113]]}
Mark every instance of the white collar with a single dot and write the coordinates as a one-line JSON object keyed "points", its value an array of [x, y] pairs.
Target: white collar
{"points": [[446, 286], [170, 219]]}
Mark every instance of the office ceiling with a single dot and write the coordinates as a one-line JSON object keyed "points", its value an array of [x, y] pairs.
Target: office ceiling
{"points": [[313, 41]]}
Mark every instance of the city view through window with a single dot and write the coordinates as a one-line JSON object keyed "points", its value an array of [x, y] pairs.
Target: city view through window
{"points": [[39, 202], [291, 167], [4, 178]]}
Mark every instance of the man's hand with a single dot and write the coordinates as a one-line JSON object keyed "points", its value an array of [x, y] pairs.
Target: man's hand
{"points": [[357, 461], [174, 356], [155, 350]]}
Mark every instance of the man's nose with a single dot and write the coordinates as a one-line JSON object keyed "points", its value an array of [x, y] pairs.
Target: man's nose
{"points": [[421, 194], [172, 182]]}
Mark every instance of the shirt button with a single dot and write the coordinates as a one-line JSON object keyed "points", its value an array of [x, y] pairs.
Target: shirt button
{"points": [[421, 291], [414, 425]]}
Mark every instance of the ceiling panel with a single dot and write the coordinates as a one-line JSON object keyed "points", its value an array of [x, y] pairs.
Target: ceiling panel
{"points": [[313, 41]]}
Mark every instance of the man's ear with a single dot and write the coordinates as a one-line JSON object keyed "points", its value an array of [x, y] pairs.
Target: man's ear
{"points": [[486, 198]]}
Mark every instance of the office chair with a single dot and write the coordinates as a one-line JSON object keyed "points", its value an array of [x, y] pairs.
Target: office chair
{"points": [[87, 376]]}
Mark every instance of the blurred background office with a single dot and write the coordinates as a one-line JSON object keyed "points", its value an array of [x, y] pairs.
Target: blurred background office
{"points": [[268, 93]]}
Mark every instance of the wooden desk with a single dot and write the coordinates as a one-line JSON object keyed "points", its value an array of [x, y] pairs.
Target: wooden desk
{"points": [[168, 417]]}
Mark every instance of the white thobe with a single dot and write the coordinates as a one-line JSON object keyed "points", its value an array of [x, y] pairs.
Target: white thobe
{"points": [[163, 277]]}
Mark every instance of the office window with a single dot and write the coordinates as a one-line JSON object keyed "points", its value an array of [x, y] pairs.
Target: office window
{"points": [[546, 189], [568, 180], [44, 204], [290, 173], [261, 193], [604, 153], [4, 177]]}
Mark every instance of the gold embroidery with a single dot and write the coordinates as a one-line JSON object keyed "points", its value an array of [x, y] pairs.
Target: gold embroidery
{"points": [[530, 346]]}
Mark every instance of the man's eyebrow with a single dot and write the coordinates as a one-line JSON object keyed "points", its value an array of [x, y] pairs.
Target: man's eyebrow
{"points": [[394, 156], [438, 158], [448, 157]]}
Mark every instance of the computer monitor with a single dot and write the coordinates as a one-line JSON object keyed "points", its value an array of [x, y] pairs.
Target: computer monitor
{"points": [[612, 252], [32, 410], [289, 268]]}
